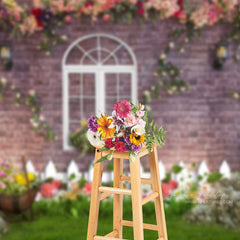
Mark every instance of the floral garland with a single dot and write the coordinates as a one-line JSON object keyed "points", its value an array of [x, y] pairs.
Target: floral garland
{"points": [[47, 16], [193, 22], [37, 120]]}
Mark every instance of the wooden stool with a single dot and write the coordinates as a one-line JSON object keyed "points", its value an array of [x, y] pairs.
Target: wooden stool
{"points": [[99, 193]]}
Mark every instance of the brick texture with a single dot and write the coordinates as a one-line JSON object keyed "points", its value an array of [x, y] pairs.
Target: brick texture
{"points": [[203, 123]]}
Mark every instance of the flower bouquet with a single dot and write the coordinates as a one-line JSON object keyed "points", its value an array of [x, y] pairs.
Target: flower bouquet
{"points": [[126, 130], [13, 188]]}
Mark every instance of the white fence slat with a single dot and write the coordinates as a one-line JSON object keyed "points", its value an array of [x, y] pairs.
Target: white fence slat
{"points": [[225, 170], [203, 171], [30, 167], [144, 174], [50, 171], [73, 169]]}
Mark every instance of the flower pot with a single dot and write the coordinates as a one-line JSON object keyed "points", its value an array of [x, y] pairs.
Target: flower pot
{"points": [[17, 203]]}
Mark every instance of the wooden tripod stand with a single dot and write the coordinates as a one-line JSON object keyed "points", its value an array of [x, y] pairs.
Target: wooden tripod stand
{"points": [[99, 193]]}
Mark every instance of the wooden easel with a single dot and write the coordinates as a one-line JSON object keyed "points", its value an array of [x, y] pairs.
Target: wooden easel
{"points": [[99, 193]]}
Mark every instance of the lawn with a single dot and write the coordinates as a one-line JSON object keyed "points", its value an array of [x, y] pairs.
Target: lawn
{"points": [[53, 224]]}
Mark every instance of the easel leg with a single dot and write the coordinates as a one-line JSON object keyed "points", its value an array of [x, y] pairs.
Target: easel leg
{"points": [[117, 198], [136, 199], [94, 206], [156, 184]]}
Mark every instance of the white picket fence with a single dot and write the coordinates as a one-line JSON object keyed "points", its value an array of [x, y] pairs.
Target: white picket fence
{"points": [[185, 175]]}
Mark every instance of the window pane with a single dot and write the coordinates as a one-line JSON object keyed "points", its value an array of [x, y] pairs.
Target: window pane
{"points": [[74, 84], [74, 109], [88, 108], [88, 84]]}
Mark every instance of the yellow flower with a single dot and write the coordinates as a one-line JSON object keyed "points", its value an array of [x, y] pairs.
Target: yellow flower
{"points": [[21, 180], [137, 139], [104, 122], [83, 123], [31, 177]]}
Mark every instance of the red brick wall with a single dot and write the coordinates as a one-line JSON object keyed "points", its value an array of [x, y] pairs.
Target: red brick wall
{"points": [[202, 124]]}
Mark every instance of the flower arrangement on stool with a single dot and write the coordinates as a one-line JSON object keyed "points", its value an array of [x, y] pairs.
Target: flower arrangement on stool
{"points": [[127, 130]]}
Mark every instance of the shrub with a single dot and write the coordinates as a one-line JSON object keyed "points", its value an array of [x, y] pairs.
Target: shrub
{"points": [[221, 206]]}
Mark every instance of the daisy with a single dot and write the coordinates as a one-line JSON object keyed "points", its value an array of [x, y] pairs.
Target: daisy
{"points": [[94, 138], [104, 129]]}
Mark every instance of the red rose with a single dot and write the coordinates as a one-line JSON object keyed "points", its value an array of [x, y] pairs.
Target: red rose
{"points": [[166, 190], [37, 13], [178, 13], [173, 184], [120, 147], [56, 184], [109, 143]]}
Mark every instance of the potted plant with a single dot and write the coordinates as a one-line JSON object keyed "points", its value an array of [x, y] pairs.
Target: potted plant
{"points": [[17, 189]]}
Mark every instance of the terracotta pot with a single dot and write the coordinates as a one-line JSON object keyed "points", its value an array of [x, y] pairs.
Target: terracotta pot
{"points": [[17, 203]]}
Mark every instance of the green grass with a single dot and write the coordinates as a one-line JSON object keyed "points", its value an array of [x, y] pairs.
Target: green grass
{"points": [[56, 224]]}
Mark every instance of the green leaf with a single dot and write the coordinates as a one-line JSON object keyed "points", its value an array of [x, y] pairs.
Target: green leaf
{"points": [[107, 157]]}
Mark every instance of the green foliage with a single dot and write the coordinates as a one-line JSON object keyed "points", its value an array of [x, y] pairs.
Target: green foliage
{"points": [[82, 181], [176, 169], [153, 134], [214, 177], [80, 141]]}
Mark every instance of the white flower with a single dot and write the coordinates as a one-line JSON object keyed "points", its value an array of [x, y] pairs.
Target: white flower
{"points": [[64, 37], [3, 81], [42, 118], [18, 95], [163, 56], [171, 45], [94, 138], [31, 92], [146, 93], [138, 129]]}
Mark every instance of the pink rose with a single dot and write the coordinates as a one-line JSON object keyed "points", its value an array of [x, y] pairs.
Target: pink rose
{"points": [[47, 190], [6, 165], [2, 185], [106, 17], [131, 120], [140, 113], [2, 173], [141, 122], [68, 19]]}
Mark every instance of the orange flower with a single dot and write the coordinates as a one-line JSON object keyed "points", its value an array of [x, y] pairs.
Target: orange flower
{"points": [[104, 122]]}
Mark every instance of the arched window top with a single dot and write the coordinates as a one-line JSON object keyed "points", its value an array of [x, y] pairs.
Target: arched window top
{"points": [[99, 49]]}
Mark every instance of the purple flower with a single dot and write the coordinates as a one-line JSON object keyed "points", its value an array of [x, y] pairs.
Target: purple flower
{"points": [[127, 140], [126, 148], [136, 148], [2, 173], [92, 124]]}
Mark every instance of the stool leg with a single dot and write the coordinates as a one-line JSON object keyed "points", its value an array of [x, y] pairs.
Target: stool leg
{"points": [[156, 185], [94, 206], [136, 199], [117, 198]]}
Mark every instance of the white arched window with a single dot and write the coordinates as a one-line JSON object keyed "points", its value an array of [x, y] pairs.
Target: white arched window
{"points": [[98, 70]]}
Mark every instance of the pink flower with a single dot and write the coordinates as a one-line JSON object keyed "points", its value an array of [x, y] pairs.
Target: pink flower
{"points": [[166, 190], [141, 122], [173, 184], [56, 184], [2, 173], [122, 108], [140, 113], [2, 185], [106, 17], [87, 189], [68, 19], [6, 165], [47, 190], [131, 120]]}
